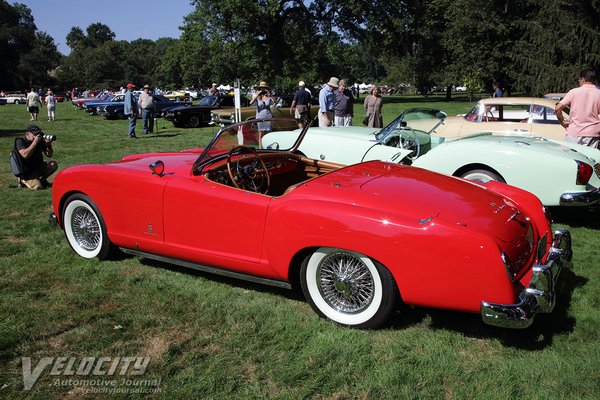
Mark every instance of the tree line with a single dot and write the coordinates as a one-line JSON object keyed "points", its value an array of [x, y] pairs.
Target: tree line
{"points": [[531, 46]]}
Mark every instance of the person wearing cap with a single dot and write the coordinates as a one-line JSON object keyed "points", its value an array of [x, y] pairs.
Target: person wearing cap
{"points": [[300, 107], [327, 102], [131, 110], [213, 91], [146, 102], [32, 147], [263, 101], [344, 107]]}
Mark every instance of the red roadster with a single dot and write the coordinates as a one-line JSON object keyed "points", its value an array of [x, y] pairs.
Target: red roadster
{"points": [[357, 239]]}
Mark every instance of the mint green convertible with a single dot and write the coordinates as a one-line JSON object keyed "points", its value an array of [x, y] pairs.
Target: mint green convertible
{"points": [[559, 173]]}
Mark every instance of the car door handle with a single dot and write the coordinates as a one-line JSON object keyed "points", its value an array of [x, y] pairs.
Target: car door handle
{"points": [[521, 130]]}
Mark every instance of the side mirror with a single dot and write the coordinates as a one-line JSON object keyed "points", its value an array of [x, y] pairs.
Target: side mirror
{"points": [[157, 168], [403, 124]]}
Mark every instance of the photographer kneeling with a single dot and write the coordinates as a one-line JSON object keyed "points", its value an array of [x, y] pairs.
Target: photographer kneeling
{"points": [[32, 147]]}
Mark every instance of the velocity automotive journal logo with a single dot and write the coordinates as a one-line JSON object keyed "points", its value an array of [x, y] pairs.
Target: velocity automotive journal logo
{"points": [[92, 374]]}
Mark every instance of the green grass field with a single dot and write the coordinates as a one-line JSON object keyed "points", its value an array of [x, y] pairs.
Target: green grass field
{"points": [[216, 338]]}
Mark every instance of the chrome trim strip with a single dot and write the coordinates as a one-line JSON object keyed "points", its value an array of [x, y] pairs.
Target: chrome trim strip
{"points": [[206, 268], [580, 199], [540, 295]]}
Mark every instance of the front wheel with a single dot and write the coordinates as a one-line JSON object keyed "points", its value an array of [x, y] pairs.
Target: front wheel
{"points": [[348, 288], [85, 228]]}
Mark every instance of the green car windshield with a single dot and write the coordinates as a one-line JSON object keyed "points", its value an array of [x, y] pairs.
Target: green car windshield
{"points": [[431, 117]]}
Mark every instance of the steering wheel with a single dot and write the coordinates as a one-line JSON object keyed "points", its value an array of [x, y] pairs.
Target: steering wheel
{"points": [[248, 172], [408, 140]]}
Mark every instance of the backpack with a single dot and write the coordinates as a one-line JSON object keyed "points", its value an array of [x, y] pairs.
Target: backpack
{"points": [[16, 162]]}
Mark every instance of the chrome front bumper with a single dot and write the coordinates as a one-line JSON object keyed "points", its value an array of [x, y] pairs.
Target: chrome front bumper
{"points": [[580, 199], [539, 296]]}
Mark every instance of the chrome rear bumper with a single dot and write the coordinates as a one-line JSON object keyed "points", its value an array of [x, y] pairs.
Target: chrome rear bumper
{"points": [[539, 296], [580, 199]]}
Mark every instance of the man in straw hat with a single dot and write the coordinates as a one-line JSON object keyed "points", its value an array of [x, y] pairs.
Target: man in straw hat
{"points": [[327, 102]]}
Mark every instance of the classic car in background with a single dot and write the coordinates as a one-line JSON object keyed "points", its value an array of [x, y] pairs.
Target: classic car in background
{"points": [[198, 114], [281, 108], [79, 102], [176, 95], [522, 116], [15, 98], [116, 110], [559, 173], [94, 106], [357, 239]]}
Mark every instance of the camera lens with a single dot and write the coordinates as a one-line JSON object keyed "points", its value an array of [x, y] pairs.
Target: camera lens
{"points": [[49, 138]]}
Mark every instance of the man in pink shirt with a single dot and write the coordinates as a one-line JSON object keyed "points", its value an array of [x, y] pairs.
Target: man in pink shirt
{"points": [[584, 116]]}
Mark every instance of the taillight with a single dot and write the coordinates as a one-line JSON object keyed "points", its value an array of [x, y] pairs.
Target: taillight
{"points": [[584, 173]]}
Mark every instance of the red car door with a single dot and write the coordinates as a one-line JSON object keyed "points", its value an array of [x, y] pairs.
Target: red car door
{"points": [[214, 223]]}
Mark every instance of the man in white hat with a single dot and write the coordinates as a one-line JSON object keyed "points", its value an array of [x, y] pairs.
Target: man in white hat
{"points": [[327, 102]]}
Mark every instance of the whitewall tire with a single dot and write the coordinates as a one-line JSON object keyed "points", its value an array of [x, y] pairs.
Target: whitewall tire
{"points": [[348, 288], [85, 228]]}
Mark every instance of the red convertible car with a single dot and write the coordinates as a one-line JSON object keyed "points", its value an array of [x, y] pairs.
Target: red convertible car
{"points": [[358, 239]]}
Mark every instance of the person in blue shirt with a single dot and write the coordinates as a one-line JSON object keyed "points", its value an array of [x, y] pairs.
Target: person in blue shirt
{"points": [[327, 102], [497, 90], [131, 110]]}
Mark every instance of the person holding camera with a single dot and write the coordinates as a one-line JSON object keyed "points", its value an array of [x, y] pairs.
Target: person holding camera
{"points": [[32, 147], [263, 100]]}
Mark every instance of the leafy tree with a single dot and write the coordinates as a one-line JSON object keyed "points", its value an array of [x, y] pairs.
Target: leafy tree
{"points": [[17, 37], [560, 39], [35, 65]]}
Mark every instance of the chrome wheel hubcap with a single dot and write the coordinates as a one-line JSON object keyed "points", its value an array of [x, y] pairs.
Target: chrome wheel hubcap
{"points": [[345, 282], [86, 228]]}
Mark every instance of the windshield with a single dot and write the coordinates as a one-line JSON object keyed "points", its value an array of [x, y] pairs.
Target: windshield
{"points": [[274, 134], [208, 101], [425, 119]]}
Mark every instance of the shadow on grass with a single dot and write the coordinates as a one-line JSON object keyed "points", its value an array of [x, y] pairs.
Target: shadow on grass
{"points": [[13, 132], [294, 294], [537, 337], [586, 217]]}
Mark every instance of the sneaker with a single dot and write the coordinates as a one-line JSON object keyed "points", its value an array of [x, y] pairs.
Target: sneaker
{"points": [[133, 137], [21, 184]]}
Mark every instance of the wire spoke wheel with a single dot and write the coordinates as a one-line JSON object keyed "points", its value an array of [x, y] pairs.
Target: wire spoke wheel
{"points": [[86, 228], [348, 288], [346, 283]]}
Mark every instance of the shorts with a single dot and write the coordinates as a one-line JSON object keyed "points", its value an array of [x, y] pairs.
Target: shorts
{"points": [[302, 114], [33, 109]]}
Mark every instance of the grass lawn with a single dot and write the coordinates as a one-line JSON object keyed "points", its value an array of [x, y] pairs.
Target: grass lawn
{"points": [[212, 337]]}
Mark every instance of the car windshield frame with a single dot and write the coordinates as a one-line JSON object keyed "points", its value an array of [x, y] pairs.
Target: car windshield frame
{"points": [[382, 135], [216, 150]]}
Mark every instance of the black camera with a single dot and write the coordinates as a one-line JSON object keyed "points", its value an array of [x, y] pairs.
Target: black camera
{"points": [[47, 138]]}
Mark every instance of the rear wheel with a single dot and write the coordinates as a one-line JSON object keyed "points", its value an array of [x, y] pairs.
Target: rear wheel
{"points": [[194, 121], [482, 175], [348, 288], [85, 228]]}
